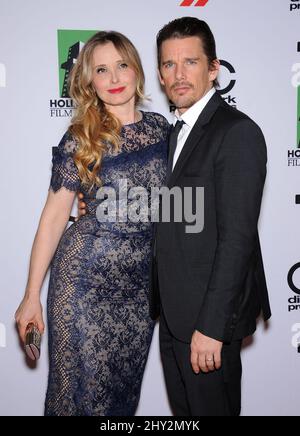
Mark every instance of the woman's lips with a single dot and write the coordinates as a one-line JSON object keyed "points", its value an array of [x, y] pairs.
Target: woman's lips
{"points": [[116, 90]]}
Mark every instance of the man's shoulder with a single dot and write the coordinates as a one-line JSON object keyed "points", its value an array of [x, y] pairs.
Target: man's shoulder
{"points": [[228, 116]]}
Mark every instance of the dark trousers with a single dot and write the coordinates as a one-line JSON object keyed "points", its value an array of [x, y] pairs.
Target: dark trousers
{"points": [[217, 393]]}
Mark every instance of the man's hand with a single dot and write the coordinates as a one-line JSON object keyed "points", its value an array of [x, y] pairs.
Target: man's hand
{"points": [[81, 207], [205, 353]]}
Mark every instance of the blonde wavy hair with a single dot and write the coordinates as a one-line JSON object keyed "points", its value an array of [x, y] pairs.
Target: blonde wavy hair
{"points": [[93, 126]]}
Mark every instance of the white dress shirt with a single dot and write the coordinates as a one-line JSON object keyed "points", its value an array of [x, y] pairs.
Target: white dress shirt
{"points": [[189, 117]]}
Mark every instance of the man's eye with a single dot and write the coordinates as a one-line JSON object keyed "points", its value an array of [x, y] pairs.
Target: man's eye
{"points": [[191, 62], [169, 65]]}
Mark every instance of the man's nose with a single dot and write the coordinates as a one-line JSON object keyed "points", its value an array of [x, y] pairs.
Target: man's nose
{"points": [[179, 72]]}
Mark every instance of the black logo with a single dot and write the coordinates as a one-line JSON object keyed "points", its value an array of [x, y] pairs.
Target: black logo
{"points": [[232, 82], [228, 88], [290, 278], [294, 302], [294, 5]]}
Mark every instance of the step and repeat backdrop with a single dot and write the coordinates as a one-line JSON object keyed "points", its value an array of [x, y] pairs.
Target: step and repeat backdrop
{"points": [[258, 43]]}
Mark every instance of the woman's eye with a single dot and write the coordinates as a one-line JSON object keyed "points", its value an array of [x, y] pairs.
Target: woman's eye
{"points": [[123, 66], [101, 70]]}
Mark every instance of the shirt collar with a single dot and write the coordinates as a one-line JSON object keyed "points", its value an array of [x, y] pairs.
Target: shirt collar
{"points": [[192, 114]]}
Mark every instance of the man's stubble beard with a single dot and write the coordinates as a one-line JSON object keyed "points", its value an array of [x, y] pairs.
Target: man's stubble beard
{"points": [[185, 104]]}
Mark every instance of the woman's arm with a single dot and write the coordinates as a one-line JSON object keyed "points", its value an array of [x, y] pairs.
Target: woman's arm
{"points": [[52, 224]]}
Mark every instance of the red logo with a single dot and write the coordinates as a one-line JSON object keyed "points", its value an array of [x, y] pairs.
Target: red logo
{"points": [[191, 2]]}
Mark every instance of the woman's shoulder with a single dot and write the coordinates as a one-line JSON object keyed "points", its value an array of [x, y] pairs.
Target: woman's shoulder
{"points": [[159, 119], [158, 122], [68, 144]]}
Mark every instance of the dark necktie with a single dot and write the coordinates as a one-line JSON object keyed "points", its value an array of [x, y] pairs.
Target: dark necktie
{"points": [[172, 146]]}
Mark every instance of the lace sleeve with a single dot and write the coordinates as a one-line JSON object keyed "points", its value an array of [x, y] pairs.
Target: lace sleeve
{"points": [[64, 171]]}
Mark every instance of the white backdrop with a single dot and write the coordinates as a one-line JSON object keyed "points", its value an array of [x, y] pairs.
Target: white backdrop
{"points": [[260, 40]]}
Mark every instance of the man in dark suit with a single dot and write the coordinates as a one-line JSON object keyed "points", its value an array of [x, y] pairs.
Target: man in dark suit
{"points": [[209, 287]]}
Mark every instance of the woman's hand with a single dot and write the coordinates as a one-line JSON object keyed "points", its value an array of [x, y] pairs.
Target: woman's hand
{"points": [[81, 207], [30, 310]]}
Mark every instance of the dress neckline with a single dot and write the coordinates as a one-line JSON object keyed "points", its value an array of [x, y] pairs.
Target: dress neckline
{"points": [[136, 122]]}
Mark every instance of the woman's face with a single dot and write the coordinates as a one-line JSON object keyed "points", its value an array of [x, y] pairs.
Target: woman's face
{"points": [[114, 80]]}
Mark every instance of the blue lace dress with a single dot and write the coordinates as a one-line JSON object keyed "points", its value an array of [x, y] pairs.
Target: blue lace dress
{"points": [[98, 315]]}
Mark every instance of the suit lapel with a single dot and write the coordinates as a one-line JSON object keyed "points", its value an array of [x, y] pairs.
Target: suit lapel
{"points": [[195, 136]]}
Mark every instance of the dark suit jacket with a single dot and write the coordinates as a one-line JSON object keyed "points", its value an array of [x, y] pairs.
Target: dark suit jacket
{"points": [[214, 281]]}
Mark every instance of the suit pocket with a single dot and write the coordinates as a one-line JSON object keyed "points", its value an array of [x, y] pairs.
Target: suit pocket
{"points": [[193, 180], [196, 182]]}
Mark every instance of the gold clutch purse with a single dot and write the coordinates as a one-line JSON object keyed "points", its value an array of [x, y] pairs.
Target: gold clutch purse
{"points": [[33, 342]]}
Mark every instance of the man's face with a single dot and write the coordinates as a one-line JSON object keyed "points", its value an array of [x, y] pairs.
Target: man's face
{"points": [[185, 72]]}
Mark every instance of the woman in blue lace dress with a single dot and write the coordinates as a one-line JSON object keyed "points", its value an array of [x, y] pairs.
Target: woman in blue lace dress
{"points": [[99, 325]]}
